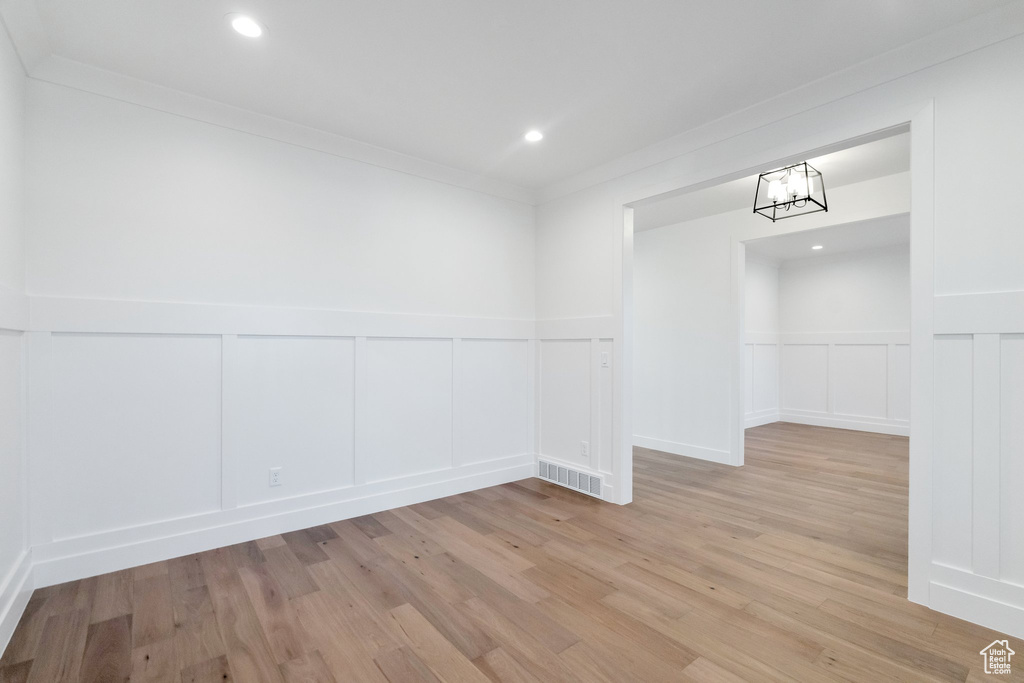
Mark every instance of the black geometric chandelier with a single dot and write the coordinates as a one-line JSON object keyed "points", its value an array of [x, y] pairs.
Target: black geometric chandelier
{"points": [[791, 191]]}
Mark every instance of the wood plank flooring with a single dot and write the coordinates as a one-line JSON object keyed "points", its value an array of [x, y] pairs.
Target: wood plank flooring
{"points": [[790, 568]]}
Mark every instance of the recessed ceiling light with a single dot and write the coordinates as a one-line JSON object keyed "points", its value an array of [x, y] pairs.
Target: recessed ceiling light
{"points": [[534, 136], [817, 246], [247, 26]]}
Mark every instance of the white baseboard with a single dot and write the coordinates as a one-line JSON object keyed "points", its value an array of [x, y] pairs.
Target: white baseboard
{"points": [[684, 449], [845, 422], [14, 594], [994, 604], [85, 556], [758, 419]]}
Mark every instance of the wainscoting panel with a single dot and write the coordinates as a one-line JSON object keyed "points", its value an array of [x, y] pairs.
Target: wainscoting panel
{"points": [[150, 444], [493, 396], [952, 457], [859, 373], [978, 465], [292, 405], [1011, 469], [565, 400], [136, 430], [805, 377], [847, 380], [406, 426]]}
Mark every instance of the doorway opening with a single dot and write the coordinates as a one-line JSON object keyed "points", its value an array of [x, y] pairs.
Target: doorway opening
{"points": [[712, 393]]}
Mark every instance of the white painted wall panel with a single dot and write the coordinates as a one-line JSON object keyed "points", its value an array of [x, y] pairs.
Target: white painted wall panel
{"points": [[899, 382], [1011, 475], [606, 383], [805, 377], [565, 399], [295, 408], [765, 376], [748, 377], [952, 460], [126, 202], [860, 380], [136, 430], [12, 499], [406, 425], [494, 400]]}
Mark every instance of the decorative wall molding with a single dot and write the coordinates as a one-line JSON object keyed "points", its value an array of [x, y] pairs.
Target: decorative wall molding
{"points": [[56, 314]]}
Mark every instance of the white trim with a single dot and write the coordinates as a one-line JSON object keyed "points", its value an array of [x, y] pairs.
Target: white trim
{"points": [[986, 313], [760, 418], [15, 591], [601, 327], [842, 338], [855, 422], [993, 603], [54, 314], [60, 71], [75, 558], [684, 449]]}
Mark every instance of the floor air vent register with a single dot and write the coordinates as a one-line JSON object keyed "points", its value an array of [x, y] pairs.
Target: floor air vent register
{"points": [[569, 478]]}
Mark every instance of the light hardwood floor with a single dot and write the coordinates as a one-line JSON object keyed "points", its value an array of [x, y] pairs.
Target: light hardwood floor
{"points": [[791, 568]]}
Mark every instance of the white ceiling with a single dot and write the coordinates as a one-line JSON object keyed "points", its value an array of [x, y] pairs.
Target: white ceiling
{"points": [[838, 239], [457, 82], [853, 165]]}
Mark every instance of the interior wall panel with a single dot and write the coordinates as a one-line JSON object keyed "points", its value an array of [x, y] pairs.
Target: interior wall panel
{"points": [[407, 421], [295, 406], [899, 382], [765, 377], [859, 377], [805, 377], [953, 452], [565, 399], [494, 399], [136, 430], [1011, 475]]}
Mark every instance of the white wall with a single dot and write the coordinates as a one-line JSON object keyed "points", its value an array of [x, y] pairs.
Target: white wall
{"points": [[684, 334], [761, 296], [975, 94], [130, 203], [13, 504], [209, 304], [840, 357], [865, 291], [761, 341]]}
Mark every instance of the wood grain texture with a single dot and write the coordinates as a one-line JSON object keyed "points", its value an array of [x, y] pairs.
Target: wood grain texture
{"points": [[790, 568]]}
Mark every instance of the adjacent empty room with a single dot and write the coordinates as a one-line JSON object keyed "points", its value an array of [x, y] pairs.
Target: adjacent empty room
{"points": [[519, 341]]}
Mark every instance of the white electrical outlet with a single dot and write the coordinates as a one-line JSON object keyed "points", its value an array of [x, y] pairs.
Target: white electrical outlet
{"points": [[584, 449], [275, 476]]}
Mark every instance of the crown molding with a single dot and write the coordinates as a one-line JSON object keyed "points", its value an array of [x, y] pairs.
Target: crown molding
{"points": [[954, 41], [21, 20], [69, 73]]}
